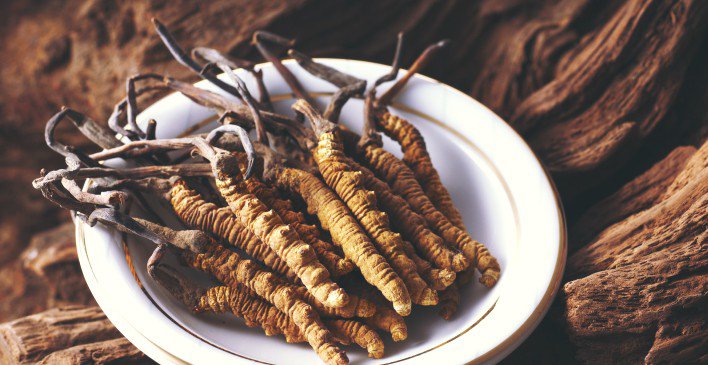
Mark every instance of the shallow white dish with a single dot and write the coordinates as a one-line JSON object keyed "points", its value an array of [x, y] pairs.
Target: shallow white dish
{"points": [[507, 200]]}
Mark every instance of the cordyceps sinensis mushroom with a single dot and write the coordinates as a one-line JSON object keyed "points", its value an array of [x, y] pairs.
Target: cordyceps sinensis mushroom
{"points": [[346, 181], [411, 224], [256, 312], [194, 210], [232, 269], [253, 214], [267, 225], [405, 181], [237, 299], [336, 265]]}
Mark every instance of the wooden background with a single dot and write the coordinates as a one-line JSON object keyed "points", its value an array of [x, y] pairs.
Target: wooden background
{"points": [[612, 95]]}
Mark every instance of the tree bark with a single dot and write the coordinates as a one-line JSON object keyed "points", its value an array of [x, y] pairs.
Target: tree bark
{"points": [[68, 335], [640, 287]]}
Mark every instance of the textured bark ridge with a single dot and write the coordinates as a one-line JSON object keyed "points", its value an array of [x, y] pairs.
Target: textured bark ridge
{"points": [[640, 292], [68, 335]]}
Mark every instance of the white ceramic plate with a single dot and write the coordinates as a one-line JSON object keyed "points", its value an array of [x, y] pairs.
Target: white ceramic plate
{"points": [[506, 198]]}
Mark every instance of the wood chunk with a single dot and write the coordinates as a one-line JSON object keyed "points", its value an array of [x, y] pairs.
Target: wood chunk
{"points": [[635, 196], [69, 335], [641, 287]]}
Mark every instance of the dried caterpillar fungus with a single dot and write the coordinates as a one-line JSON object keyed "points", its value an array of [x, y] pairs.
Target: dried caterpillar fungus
{"points": [[336, 265], [345, 230], [198, 213], [402, 181], [413, 226], [359, 333], [231, 269], [357, 306], [271, 229], [344, 179], [415, 155], [242, 302]]}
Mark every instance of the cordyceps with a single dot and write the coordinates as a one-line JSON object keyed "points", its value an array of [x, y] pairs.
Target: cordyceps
{"points": [[270, 228], [345, 230], [346, 180], [231, 269], [256, 312], [221, 222], [243, 303], [336, 265], [359, 333], [404, 183], [415, 153], [412, 225]]}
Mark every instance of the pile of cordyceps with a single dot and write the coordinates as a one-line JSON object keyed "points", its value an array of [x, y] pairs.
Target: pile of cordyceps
{"points": [[315, 232]]}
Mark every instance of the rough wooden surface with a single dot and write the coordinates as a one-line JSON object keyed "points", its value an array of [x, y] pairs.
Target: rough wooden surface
{"points": [[640, 286], [602, 91], [68, 335]]}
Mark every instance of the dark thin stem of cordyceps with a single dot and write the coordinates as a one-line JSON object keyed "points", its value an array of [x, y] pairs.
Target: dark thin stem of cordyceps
{"points": [[248, 99], [349, 86], [60, 148], [262, 37], [418, 65], [184, 59], [120, 107], [132, 103], [150, 129], [369, 133], [124, 173], [192, 240], [213, 56], [245, 142], [95, 132]]}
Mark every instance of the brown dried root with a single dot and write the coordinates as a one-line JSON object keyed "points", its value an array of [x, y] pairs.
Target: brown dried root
{"points": [[270, 228], [341, 176], [243, 303], [221, 222], [412, 225], [229, 268], [359, 333]]}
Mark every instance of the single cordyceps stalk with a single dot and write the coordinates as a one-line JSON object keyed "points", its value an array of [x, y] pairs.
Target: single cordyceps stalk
{"points": [[197, 212], [357, 306], [271, 229], [359, 333], [412, 225], [347, 182], [229, 268], [243, 303], [345, 230]]}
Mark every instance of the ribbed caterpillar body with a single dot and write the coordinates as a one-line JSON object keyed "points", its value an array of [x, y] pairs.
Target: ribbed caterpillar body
{"points": [[345, 230], [402, 181]]}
